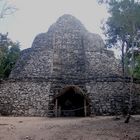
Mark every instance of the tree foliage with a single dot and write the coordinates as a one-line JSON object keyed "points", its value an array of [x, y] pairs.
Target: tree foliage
{"points": [[9, 50], [124, 21], [6, 9], [9, 53], [122, 27]]}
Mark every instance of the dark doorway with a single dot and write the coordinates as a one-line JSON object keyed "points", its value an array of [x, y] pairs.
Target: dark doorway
{"points": [[70, 103]]}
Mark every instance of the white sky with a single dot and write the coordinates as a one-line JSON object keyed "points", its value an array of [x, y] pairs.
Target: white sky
{"points": [[35, 16]]}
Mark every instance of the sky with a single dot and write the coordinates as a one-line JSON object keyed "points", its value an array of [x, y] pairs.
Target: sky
{"points": [[36, 16]]}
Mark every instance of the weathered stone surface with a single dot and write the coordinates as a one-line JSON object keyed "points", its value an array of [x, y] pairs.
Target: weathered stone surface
{"points": [[24, 98], [66, 49], [66, 55]]}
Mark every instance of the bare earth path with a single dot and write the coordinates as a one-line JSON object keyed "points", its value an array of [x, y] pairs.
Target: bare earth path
{"points": [[96, 128]]}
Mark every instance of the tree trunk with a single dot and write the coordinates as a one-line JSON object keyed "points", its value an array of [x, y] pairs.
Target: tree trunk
{"points": [[124, 111], [132, 76], [127, 119], [123, 64]]}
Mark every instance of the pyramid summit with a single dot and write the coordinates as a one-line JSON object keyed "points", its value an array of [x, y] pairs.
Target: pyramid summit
{"points": [[67, 18], [65, 69]]}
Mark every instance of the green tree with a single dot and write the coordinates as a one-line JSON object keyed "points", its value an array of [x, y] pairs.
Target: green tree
{"points": [[122, 26], [9, 50], [137, 67], [121, 29], [9, 53]]}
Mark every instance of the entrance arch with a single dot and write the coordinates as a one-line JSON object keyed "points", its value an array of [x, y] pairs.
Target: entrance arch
{"points": [[71, 101]]}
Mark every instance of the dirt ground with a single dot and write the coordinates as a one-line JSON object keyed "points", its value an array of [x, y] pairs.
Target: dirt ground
{"points": [[95, 128]]}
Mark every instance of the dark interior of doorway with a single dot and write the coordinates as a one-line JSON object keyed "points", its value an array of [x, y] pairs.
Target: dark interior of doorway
{"points": [[71, 104]]}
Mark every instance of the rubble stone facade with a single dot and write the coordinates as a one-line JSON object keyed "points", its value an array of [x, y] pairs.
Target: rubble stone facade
{"points": [[66, 57]]}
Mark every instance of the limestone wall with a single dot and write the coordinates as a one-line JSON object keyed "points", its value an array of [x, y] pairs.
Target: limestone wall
{"points": [[24, 98], [99, 60], [34, 63], [31, 97], [109, 98]]}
